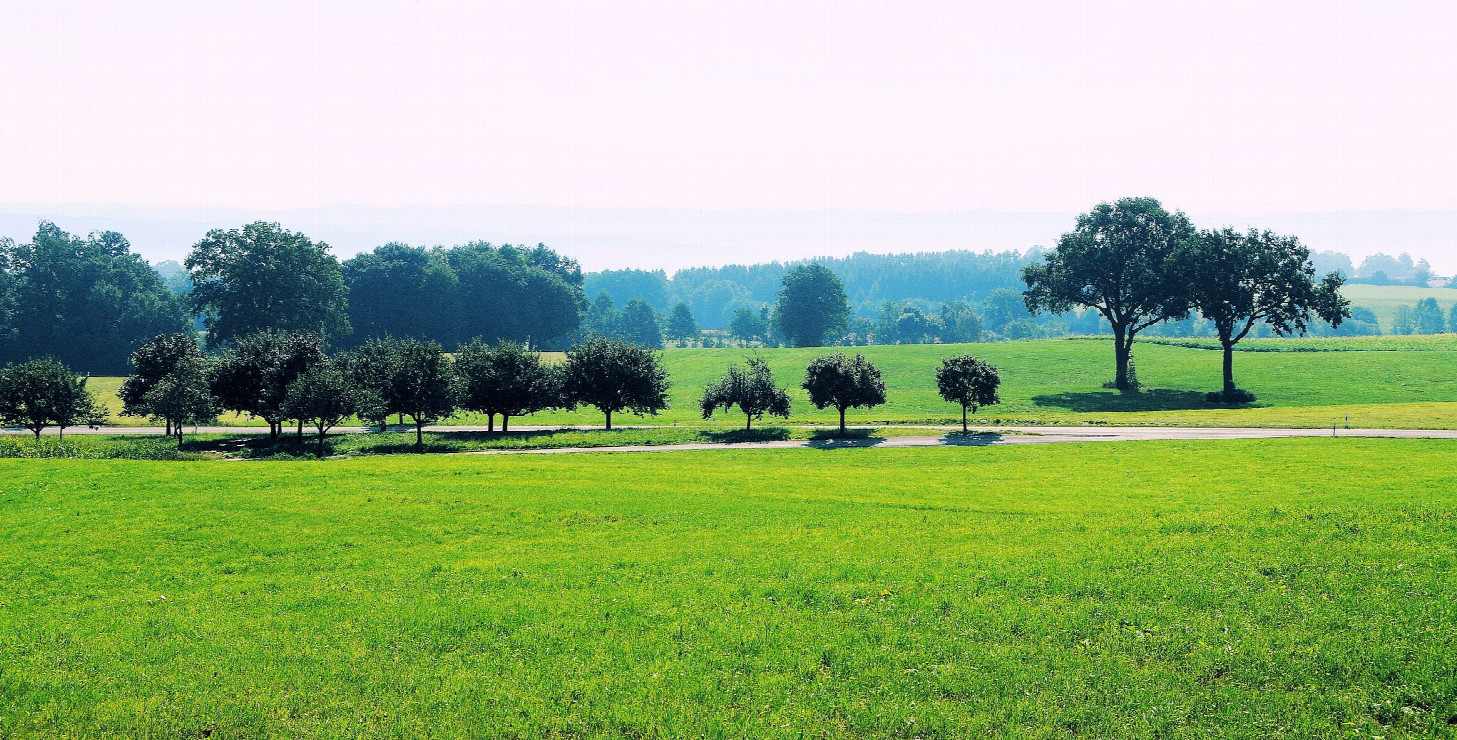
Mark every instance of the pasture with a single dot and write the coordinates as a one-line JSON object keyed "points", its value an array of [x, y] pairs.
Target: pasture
{"points": [[1383, 300], [1299, 588], [1408, 382]]}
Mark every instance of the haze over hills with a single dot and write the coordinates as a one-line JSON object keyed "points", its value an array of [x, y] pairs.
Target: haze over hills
{"points": [[674, 239]]}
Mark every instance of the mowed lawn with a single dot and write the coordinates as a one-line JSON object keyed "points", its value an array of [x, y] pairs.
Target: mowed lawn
{"points": [[1295, 588], [1391, 382]]}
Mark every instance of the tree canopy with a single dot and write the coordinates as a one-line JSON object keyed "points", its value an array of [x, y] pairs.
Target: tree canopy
{"points": [[812, 306], [1120, 261], [507, 379], [612, 375], [264, 277], [968, 382], [253, 375], [321, 397], [45, 393]]}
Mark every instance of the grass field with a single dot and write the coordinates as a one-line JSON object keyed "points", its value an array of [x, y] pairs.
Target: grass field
{"points": [[1403, 382], [1299, 588], [1383, 300]]}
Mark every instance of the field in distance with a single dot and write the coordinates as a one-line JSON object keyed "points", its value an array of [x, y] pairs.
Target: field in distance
{"points": [[1299, 588], [1396, 382]]}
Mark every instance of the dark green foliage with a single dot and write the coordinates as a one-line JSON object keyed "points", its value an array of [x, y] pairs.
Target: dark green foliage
{"points": [[1240, 281], [1428, 317], [844, 383], [182, 396], [959, 323], [87, 302], [681, 325], [753, 391], [624, 285], [526, 295], [1120, 261], [42, 393], [151, 362], [639, 325], [371, 370], [811, 307], [612, 375], [603, 319], [252, 376], [424, 385], [263, 277], [748, 325], [322, 397], [968, 382], [401, 291], [507, 379]]}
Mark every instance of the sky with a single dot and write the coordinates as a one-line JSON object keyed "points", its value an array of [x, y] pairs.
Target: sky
{"points": [[774, 111]]}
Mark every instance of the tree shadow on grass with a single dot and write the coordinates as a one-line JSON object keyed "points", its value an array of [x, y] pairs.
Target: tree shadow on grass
{"points": [[762, 434], [834, 439], [1158, 399]]}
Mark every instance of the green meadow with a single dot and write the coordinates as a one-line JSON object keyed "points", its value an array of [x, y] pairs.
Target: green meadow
{"points": [[1384, 300], [1408, 382], [1294, 588]]}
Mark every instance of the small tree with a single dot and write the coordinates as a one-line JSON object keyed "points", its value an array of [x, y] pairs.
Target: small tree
{"points": [[507, 379], [839, 381], [681, 325], [371, 370], [182, 395], [424, 385], [754, 392], [967, 381], [324, 397], [153, 361], [613, 375], [42, 393]]}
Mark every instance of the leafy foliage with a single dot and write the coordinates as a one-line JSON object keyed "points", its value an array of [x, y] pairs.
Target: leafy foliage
{"points": [[968, 382], [42, 393], [753, 391], [323, 397], [844, 383], [681, 325], [182, 396], [811, 307], [151, 362], [507, 379], [612, 375], [253, 375]]}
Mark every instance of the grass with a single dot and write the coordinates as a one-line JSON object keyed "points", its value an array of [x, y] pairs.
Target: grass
{"points": [[1414, 384], [1383, 300], [1294, 588]]}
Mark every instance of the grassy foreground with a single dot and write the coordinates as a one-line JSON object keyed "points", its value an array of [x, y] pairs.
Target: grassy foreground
{"points": [[1397, 382], [1299, 588]]}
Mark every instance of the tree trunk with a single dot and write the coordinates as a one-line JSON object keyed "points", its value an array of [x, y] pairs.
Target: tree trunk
{"points": [[60, 434], [179, 436], [402, 419], [505, 422], [748, 422], [842, 421], [37, 433], [1122, 344], [490, 422], [419, 433], [169, 427], [273, 431], [320, 451], [1228, 368], [609, 419], [300, 431], [963, 420]]}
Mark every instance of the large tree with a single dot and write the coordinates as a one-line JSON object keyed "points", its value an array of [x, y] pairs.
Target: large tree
{"points": [[753, 391], [264, 277], [42, 393], [613, 375], [844, 383], [401, 291], [1120, 261], [153, 361], [812, 306], [507, 379], [88, 302], [1238, 281], [968, 382]]}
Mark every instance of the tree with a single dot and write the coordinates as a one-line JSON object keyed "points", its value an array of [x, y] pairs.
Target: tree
{"points": [[1404, 322], [602, 317], [87, 302], [1428, 317], [424, 385], [153, 361], [507, 379], [839, 381], [754, 392], [324, 397], [639, 325], [968, 381], [182, 395], [748, 325], [1120, 261], [40, 393], [812, 305], [1238, 281], [681, 326], [1452, 319], [613, 375], [371, 369], [1001, 308], [252, 376], [401, 291], [263, 277], [960, 323]]}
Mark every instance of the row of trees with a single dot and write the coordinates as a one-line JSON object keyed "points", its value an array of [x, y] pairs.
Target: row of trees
{"points": [[1426, 317], [1139, 265]]}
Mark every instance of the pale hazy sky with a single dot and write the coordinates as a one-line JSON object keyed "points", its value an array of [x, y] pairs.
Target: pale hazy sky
{"points": [[1224, 107]]}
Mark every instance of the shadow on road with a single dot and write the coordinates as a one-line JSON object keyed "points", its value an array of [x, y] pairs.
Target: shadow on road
{"points": [[1157, 399], [971, 439]]}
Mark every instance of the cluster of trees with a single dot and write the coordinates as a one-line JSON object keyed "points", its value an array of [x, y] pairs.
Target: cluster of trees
{"points": [[1139, 265], [283, 377], [1426, 317]]}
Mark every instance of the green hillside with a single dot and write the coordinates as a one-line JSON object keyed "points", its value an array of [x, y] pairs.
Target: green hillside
{"points": [[1385, 299]]}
